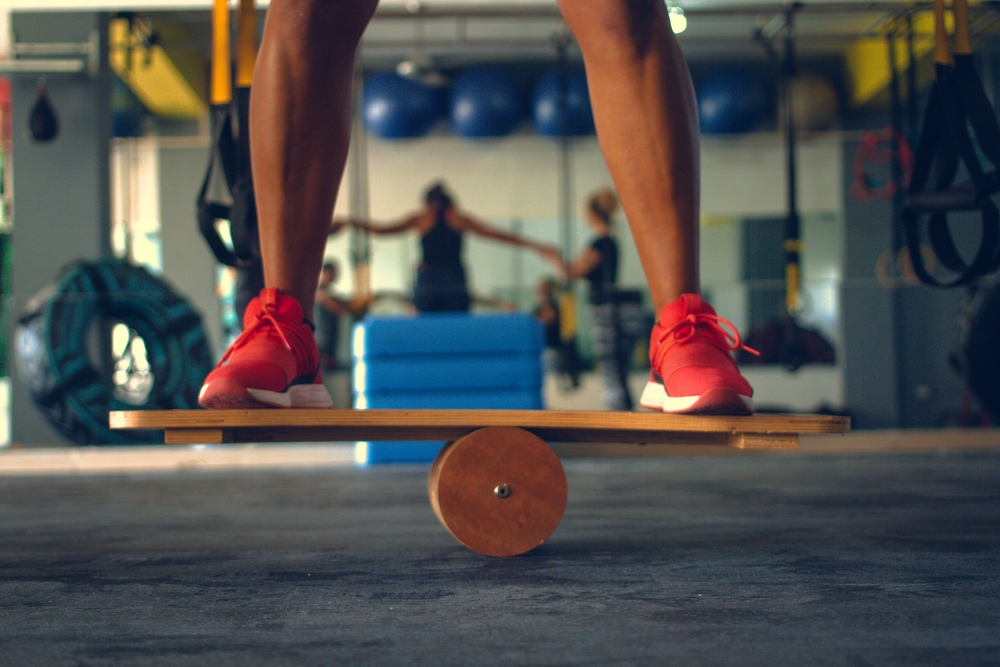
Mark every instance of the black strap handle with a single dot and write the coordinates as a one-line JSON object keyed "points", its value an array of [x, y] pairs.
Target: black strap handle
{"points": [[944, 145]]}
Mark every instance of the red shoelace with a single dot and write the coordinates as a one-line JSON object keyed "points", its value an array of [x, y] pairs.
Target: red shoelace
{"points": [[686, 329], [265, 318]]}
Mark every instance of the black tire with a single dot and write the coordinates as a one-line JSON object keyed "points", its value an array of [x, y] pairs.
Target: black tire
{"points": [[62, 349]]}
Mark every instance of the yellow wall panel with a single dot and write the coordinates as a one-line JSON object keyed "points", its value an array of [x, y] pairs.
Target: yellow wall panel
{"points": [[169, 84]]}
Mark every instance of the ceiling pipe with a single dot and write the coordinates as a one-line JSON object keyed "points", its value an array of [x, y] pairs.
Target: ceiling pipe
{"points": [[542, 11], [551, 11], [29, 58]]}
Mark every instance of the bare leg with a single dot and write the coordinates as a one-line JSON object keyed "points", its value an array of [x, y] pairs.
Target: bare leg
{"points": [[647, 125], [300, 125], [300, 113]]}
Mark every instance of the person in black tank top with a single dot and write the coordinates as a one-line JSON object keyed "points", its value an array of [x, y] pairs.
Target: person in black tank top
{"points": [[442, 245], [441, 284]]}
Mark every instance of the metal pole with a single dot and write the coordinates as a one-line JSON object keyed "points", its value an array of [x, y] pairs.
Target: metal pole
{"points": [[793, 242]]}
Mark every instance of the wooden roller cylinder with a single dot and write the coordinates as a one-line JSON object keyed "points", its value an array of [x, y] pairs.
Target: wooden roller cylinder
{"points": [[501, 491]]}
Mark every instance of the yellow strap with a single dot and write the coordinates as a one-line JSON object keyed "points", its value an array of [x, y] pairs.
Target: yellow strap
{"points": [[942, 53], [222, 77], [362, 283], [963, 40], [567, 315], [246, 43], [792, 288]]}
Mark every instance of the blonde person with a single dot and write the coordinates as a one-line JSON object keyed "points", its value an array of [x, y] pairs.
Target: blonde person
{"points": [[617, 316]]}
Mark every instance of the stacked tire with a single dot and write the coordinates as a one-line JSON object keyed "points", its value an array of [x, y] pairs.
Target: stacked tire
{"points": [[62, 349]]}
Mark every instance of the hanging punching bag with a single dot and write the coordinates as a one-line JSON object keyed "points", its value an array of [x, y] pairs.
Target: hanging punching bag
{"points": [[43, 123]]}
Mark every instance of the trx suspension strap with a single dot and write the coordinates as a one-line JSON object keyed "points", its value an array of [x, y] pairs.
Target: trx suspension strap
{"points": [[361, 251], [957, 100], [568, 307], [230, 151], [793, 238], [243, 218]]}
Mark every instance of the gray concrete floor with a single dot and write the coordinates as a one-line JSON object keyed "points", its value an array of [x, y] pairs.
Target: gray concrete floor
{"points": [[822, 559]]}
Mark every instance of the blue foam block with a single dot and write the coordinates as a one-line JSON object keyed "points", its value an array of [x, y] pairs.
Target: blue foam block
{"points": [[368, 453], [365, 453], [515, 398], [458, 371], [446, 333], [444, 361]]}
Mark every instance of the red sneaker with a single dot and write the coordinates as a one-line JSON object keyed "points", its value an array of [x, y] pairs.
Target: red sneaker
{"points": [[273, 363], [692, 369]]}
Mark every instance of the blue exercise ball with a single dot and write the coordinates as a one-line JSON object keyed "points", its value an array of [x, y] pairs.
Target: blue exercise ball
{"points": [[731, 100], [485, 102], [399, 108], [547, 109]]}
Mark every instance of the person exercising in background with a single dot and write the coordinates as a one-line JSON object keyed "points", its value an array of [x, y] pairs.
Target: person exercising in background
{"points": [[617, 320], [329, 309], [441, 284], [561, 354], [647, 127]]}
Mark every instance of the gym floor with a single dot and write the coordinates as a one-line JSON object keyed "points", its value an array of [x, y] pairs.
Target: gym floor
{"points": [[865, 549]]}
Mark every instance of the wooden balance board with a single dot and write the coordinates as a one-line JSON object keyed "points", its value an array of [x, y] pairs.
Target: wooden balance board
{"points": [[496, 485]]}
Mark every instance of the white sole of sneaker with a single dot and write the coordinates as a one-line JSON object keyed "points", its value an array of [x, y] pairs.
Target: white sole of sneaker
{"points": [[296, 396], [224, 393], [715, 401]]}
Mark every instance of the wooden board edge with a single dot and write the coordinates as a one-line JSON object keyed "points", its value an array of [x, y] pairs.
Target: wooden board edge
{"points": [[198, 436], [552, 420], [764, 440]]}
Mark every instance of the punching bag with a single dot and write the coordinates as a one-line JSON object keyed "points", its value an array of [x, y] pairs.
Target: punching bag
{"points": [[43, 123]]}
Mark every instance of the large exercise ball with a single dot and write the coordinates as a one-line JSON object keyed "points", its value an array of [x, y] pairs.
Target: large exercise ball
{"points": [[485, 102], [400, 108], [731, 100], [815, 102], [559, 90]]}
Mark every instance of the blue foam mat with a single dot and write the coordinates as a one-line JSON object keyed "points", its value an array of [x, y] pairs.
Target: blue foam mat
{"points": [[524, 398], [444, 361], [365, 453], [457, 371], [446, 333], [369, 453]]}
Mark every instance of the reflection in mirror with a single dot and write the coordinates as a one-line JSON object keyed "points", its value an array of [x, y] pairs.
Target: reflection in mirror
{"points": [[743, 275]]}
